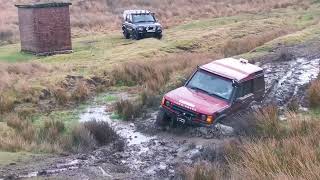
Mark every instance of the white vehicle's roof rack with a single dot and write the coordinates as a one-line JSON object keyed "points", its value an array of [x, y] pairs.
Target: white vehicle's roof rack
{"points": [[135, 12]]}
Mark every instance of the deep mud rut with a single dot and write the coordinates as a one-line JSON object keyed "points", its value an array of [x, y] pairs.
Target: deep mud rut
{"points": [[150, 153]]}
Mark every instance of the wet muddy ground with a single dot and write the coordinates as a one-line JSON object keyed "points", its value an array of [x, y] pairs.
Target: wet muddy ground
{"points": [[150, 153]]}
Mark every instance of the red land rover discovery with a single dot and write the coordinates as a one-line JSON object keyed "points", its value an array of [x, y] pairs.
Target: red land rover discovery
{"points": [[214, 91]]}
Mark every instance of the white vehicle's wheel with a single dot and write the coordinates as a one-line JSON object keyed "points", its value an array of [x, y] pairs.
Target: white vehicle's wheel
{"points": [[126, 34]]}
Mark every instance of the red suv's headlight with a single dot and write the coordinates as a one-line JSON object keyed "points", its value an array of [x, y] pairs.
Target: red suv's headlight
{"points": [[165, 102], [208, 119]]}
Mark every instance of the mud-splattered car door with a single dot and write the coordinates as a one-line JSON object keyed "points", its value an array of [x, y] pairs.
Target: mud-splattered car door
{"points": [[244, 95]]}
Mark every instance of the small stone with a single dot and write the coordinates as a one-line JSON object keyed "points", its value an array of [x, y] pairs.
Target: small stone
{"points": [[203, 130], [225, 130], [194, 154], [282, 118], [303, 109], [162, 166]]}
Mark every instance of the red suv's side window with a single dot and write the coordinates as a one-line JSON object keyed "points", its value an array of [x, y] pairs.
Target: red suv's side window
{"points": [[245, 88], [259, 83]]}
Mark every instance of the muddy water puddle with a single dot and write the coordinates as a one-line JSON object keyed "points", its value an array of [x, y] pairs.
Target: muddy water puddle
{"points": [[149, 155], [125, 129]]}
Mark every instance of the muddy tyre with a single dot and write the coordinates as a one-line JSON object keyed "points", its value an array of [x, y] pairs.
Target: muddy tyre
{"points": [[136, 35], [162, 119], [126, 34], [158, 36]]}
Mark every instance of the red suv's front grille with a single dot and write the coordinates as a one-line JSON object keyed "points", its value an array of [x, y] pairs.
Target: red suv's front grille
{"points": [[183, 111]]}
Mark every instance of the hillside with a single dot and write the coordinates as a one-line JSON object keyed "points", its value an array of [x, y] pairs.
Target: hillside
{"points": [[88, 17]]}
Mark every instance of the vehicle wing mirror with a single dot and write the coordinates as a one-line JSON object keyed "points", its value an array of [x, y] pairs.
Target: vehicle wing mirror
{"points": [[234, 83]]}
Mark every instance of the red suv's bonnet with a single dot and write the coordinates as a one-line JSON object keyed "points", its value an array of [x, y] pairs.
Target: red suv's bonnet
{"points": [[196, 101]]}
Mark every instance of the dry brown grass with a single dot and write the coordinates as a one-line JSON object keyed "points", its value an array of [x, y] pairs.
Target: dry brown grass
{"points": [[294, 156], [157, 73], [101, 131], [87, 136], [290, 155], [267, 122], [81, 91], [61, 95], [238, 46], [23, 127], [204, 171], [128, 109], [81, 139], [14, 121], [314, 93], [11, 142], [15, 83], [293, 105], [6, 103], [51, 130], [102, 16], [53, 136]]}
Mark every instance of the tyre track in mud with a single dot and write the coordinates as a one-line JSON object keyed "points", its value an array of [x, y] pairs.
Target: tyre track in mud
{"points": [[288, 79], [150, 153]]}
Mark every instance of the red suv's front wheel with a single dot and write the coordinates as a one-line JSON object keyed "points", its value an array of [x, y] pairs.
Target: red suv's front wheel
{"points": [[162, 119]]}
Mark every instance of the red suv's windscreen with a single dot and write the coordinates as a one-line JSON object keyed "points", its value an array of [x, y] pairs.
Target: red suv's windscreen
{"points": [[211, 84]]}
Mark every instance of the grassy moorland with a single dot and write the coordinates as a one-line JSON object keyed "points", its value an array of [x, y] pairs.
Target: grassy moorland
{"points": [[89, 17], [32, 87], [96, 55]]}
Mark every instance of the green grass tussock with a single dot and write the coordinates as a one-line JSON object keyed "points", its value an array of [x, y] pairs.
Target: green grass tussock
{"points": [[53, 136]]}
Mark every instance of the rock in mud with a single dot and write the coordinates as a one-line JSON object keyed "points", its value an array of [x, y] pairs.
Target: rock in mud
{"points": [[212, 132], [225, 130]]}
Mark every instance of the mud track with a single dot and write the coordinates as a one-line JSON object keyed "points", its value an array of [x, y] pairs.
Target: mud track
{"points": [[150, 153]]}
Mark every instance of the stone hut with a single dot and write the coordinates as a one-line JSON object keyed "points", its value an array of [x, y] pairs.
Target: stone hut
{"points": [[45, 28]]}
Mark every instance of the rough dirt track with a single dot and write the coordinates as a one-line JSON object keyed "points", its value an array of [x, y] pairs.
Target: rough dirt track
{"points": [[149, 153]]}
